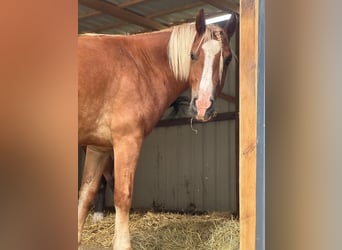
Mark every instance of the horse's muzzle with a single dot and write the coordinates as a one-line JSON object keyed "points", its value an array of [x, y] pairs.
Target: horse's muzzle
{"points": [[202, 111]]}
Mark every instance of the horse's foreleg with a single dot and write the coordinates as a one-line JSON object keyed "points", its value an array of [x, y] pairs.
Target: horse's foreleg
{"points": [[126, 154], [93, 168]]}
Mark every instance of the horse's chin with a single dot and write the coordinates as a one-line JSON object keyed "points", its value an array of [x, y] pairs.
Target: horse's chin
{"points": [[203, 118]]}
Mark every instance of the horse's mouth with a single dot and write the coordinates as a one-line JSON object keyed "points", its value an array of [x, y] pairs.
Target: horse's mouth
{"points": [[204, 118]]}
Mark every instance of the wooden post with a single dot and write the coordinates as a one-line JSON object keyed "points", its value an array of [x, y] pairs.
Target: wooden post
{"points": [[248, 121]]}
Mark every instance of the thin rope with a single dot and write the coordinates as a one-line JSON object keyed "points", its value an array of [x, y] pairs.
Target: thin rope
{"points": [[192, 128]]}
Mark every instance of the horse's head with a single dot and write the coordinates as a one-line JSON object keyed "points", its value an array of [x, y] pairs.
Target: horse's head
{"points": [[210, 55]]}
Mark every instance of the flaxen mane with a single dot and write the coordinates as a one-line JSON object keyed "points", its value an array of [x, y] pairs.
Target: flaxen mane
{"points": [[179, 48]]}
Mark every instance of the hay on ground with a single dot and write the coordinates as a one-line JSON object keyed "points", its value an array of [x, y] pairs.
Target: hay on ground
{"points": [[159, 231]]}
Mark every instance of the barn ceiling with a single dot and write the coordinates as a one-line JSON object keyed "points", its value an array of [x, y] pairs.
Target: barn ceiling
{"points": [[136, 16]]}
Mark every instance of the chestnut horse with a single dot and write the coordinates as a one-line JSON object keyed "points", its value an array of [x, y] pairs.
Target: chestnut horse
{"points": [[125, 85]]}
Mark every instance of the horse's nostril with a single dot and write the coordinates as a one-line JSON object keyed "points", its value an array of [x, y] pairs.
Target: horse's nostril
{"points": [[210, 109]]}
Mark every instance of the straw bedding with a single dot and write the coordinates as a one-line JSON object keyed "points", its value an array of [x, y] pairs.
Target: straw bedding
{"points": [[167, 231]]}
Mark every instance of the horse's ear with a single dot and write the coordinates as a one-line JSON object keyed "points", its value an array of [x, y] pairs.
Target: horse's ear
{"points": [[200, 22], [231, 26]]}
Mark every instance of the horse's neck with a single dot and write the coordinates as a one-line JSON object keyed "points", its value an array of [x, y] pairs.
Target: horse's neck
{"points": [[156, 79], [156, 51]]}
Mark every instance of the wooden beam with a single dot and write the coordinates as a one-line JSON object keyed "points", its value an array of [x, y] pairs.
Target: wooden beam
{"points": [[248, 121], [130, 3], [156, 14], [228, 6], [89, 14], [159, 13], [125, 15], [177, 9], [193, 18], [105, 27]]}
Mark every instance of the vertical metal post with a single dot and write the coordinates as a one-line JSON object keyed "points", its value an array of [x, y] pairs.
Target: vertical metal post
{"points": [[260, 182], [237, 111]]}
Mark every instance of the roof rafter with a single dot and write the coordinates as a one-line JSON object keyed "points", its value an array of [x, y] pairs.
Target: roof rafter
{"points": [[130, 3], [90, 14], [156, 14], [177, 9], [105, 27], [192, 19], [125, 15], [224, 5]]}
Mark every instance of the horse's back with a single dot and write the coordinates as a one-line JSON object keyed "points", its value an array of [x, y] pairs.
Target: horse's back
{"points": [[95, 63]]}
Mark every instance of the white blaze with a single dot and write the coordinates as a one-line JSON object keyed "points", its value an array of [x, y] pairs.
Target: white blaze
{"points": [[210, 48]]}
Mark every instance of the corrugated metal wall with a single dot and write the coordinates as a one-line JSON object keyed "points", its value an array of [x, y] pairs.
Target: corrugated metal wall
{"points": [[180, 170]]}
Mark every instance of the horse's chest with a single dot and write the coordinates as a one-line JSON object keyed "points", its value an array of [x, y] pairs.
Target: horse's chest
{"points": [[102, 130], [96, 131]]}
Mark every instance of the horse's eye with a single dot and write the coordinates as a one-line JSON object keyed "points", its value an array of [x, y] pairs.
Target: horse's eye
{"points": [[193, 56], [227, 60]]}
